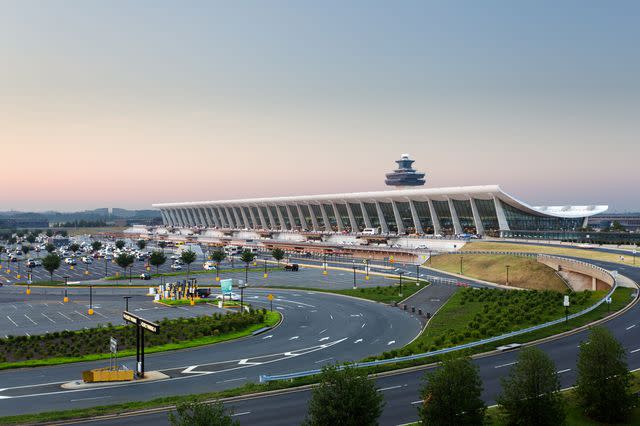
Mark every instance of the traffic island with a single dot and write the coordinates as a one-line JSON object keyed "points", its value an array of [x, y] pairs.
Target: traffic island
{"points": [[149, 376]]}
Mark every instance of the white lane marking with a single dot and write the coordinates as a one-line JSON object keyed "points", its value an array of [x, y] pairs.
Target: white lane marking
{"points": [[323, 360], [630, 327], [391, 343], [65, 316], [564, 371], [27, 316], [323, 339], [246, 362], [29, 305], [244, 413], [417, 402], [390, 388], [88, 399], [634, 351], [280, 308], [331, 316], [355, 315], [28, 335], [358, 341], [98, 313], [323, 331], [14, 323], [233, 380], [45, 315], [363, 325], [506, 365], [83, 315], [189, 370], [267, 337], [294, 338]]}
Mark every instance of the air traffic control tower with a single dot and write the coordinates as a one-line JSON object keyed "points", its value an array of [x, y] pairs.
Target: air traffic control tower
{"points": [[405, 175]]}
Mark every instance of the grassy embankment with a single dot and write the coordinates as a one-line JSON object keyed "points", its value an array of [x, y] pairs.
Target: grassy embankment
{"points": [[561, 251], [471, 315], [524, 272], [92, 344]]}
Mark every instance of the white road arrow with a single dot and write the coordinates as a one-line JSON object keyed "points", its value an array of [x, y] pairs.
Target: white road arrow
{"points": [[358, 341], [246, 362], [391, 342], [295, 337], [189, 370], [323, 339], [267, 337]]}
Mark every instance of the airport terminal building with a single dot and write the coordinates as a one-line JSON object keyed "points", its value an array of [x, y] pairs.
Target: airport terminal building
{"points": [[409, 209]]}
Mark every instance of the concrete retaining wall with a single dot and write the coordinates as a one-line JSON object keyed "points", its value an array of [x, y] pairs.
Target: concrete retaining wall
{"points": [[580, 276]]}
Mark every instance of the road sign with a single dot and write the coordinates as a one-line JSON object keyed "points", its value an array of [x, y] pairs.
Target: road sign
{"points": [[270, 297], [566, 301], [146, 324], [226, 286], [113, 345]]}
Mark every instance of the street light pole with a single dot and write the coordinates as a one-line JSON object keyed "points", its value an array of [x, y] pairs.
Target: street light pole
{"points": [[366, 277], [242, 286], [66, 282], [265, 269], [126, 302], [400, 273], [324, 272], [461, 266], [508, 266], [354, 277], [417, 273], [90, 312]]}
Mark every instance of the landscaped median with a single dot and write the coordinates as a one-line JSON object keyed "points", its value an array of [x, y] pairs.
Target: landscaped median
{"points": [[93, 344], [183, 273]]}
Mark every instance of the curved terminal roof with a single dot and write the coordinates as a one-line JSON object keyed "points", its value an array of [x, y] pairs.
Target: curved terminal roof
{"points": [[486, 192]]}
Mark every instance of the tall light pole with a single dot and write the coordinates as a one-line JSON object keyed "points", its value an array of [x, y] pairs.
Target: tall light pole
{"points": [[126, 302], [461, 265], [417, 273], [242, 286], [354, 276], [66, 282], [90, 312], [508, 266], [400, 273], [324, 265], [265, 275]]}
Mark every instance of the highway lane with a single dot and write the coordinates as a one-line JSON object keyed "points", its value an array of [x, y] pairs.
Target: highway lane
{"points": [[402, 390], [318, 329]]}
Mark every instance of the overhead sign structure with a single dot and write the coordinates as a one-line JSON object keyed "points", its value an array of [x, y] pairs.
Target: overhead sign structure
{"points": [[141, 325], [226, 286]]}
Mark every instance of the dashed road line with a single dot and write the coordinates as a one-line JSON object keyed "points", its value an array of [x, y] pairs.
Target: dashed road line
{"points": [[45, 315], [506, 365], [27, 316], [14, 323]]}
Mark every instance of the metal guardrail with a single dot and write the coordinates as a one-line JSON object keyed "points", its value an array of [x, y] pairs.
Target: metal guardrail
{"points": [[267, 378]]}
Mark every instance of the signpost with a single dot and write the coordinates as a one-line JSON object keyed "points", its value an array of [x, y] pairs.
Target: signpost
{"points": [[270, 297], [141, 325], [113, 349], [566, 308], [225, 287]]}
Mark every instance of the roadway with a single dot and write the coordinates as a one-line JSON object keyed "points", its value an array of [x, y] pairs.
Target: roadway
{"points": [[401, 390]]}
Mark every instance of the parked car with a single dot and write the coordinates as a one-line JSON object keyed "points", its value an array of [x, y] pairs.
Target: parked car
{"points": [[228, 296], [209, 266], [145, 276], [291, 267], [87, 260], [70, 261], [203, 293], [176, 266]]}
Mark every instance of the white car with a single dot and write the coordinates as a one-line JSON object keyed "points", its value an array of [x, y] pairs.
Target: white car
{"points": [[87, 260], [176, 266], [229, 296], [70, 261], [209, 266]]}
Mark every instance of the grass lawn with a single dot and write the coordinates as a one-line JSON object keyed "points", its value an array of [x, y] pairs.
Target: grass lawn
{"points": [[470, 315], [270, 320], [193, 272], [566, 251], [575, 417], [382, 294], [183, 302], [524, 272]]}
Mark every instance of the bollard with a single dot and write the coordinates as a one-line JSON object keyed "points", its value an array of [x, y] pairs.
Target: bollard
{"points": [[404, 307], [420, 312], [428, 315], [413, 309]]}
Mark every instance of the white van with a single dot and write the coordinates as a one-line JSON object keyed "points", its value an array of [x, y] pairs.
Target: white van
{"points": [[370, 231], [232, 250]]}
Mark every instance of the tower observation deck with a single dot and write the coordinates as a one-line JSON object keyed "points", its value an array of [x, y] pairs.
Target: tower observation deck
{"points": [[405, 175]]}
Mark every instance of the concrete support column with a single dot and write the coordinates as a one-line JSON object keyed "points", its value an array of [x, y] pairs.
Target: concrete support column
{"points": [[365, 216], [223, 217], [176, 217], [174, 221], [183, 216], [292, 221], [207, 217], [232, 223], [352, 219], [245, 219], [383, 222], [399, 222], [272, 220], [476, 217], [314, 220], [263, 221], [415, 217], [201, 216], [594, 284], [283, 224], [256, 224], [303, 220], [502, 218], [214, 216], [457, 228], [437, 229], [236, 217], [165, 220], [325, 219], [338, 218]]}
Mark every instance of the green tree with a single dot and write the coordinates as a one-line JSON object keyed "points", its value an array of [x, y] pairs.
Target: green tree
{"points": [[531, 392], [51, 263], [344, 397], [247, 257], [451, 395], [141, 244], [124, 260], [25, 249], [603, 387], [195, 413], [63, 233], [50, 248], [218, 256], [74, 248], [157, 259], [49, 233], [277, 254], [119, 244], [96, 245], [31, 238], [188, 257]]}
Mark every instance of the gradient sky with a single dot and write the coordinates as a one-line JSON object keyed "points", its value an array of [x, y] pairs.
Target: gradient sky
{"points": [[126, 103]]}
